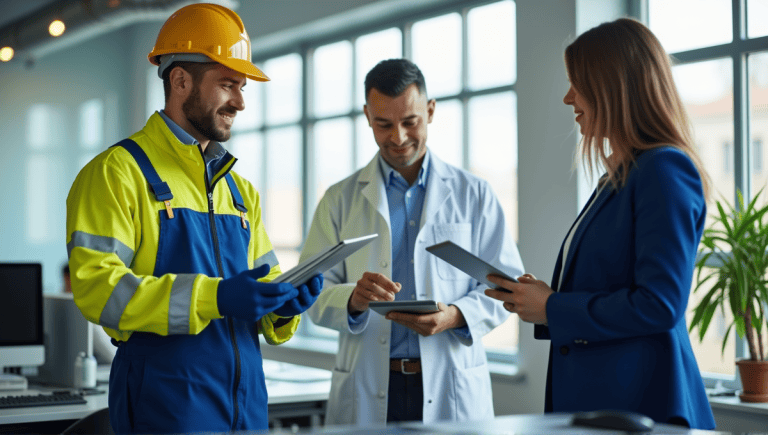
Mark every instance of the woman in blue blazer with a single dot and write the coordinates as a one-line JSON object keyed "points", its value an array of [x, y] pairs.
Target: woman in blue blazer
{"points": [[615, 312]]}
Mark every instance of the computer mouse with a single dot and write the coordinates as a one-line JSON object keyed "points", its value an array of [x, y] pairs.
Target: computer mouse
{"points": [[614, 419]]}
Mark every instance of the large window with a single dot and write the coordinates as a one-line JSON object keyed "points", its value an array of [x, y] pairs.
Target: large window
{"points": [[722, 74], [44, 123], [314, 133]]}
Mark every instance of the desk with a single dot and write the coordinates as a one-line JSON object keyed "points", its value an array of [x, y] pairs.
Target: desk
{"points": [[295, 392], [551, 424], [35, 414]]}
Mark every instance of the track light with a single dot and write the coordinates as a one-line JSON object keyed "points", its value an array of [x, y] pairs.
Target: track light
{"points": [[6, 54], [56, 28]]}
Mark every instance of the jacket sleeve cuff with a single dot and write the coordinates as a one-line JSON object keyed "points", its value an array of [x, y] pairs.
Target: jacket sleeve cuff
{"points": [[274, 334], [207, 291]]}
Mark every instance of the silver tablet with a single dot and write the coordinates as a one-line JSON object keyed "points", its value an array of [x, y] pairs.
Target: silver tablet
{"points": [[323, 260], [467, 262], [413, 307]]}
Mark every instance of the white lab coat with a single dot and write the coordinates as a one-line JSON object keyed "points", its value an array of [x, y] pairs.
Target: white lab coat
{"points": [[458, 206]]}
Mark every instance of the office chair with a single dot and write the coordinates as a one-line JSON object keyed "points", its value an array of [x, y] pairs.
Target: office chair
{"points": [[95, 423]]}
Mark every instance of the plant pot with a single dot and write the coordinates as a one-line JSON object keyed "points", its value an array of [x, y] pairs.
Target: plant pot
{"points": [[754, 380]]}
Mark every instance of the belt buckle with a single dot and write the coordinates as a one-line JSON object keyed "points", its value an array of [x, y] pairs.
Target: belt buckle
{"points": [[402, 366]]}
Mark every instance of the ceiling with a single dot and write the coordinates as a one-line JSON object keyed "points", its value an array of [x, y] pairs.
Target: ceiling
{"points": [[11, 10], [24, 23]]}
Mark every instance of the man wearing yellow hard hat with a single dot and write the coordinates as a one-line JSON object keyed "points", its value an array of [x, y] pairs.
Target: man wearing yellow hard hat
{"points": [[168, 251]]}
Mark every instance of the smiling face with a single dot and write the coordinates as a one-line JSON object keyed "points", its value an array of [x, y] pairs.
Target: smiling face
{"points": [[580, 107], [400, 127], [213, 103]]}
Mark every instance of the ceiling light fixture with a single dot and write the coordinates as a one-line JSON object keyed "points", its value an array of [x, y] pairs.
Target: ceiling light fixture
{"points": [[6, 54], [56, 28]]}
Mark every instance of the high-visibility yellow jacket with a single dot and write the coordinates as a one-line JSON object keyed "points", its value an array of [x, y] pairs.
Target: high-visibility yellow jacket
{"points": [[113, 227]]}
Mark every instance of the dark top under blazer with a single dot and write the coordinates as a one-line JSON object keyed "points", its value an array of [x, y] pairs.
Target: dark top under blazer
{"points": [[617, 322]]}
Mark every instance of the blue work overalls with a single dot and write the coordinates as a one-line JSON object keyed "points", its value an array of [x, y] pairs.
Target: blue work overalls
{"points": [[209, 382]]}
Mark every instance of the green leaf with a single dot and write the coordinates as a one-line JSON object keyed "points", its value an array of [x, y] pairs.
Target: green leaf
{"points": [[740, 329], [725, 338], [706, 318], [723, 217]]}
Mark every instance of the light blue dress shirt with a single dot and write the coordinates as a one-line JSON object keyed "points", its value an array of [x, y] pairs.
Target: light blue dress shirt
{"points": [[405, 206]]}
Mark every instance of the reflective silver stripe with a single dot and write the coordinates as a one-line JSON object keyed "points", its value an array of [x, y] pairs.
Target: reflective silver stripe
{"points": [[118, 300], [181, 296], [269, 258], [104, 244]]}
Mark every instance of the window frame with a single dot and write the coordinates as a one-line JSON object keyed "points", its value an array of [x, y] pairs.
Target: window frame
{"points": [[738, 50], [350, 31]]}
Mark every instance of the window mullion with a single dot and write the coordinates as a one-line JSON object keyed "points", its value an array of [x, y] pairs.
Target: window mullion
{"points": [[308, 179], [464, 89], [740, 103], [740, 123], [741, 149], [407, 30], [356, 87]]}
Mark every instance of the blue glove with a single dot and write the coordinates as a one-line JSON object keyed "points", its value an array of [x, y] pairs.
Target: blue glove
{"points": [[308, 294], [245, 298]]}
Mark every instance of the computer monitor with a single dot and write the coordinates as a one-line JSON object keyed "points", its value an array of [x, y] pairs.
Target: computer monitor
{"points": [[21, 320]]}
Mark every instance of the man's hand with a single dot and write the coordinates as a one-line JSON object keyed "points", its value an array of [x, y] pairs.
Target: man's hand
{"points": [[528, 298], [371, 287], [308, 294], [245, 298], [448, 317]]}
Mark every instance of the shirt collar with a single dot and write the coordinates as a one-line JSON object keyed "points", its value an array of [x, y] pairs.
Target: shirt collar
{"points": [[390, 174], [214, 150]]}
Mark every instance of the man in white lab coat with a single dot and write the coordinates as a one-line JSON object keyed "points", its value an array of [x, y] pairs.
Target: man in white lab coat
{"points": [[408, 367]]}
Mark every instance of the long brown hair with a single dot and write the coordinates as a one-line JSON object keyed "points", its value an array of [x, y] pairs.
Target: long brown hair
{"points": [[624, 74]]}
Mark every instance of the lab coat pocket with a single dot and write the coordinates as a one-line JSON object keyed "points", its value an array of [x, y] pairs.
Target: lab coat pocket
{"points": [[474, 399], [342, 403], [458, 233]]}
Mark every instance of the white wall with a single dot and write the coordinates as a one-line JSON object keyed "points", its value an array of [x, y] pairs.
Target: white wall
{"points": [[547, 186], [97, 68]]}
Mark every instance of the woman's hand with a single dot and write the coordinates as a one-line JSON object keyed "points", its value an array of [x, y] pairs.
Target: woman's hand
{"points": [[527, 298]]}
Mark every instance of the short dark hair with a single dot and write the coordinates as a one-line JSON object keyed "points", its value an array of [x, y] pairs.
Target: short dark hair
{"points": [[195, 69], [392, 76]]}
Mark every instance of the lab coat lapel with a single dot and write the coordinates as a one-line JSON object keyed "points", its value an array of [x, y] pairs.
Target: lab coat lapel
{"points": [[372, 186], [437, 192], [579, 234]]}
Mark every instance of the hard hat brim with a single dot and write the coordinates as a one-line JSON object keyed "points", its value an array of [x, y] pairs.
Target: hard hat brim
{"points": [[244, 67]]}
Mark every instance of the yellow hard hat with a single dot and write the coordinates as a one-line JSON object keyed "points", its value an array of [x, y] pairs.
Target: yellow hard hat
{"points": [[211, 30]]}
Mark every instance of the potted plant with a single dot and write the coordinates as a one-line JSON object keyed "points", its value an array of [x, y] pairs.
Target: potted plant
{"points": [[732, 268]]}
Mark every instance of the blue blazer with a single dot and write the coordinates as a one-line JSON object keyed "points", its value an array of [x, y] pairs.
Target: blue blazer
{"points": [[617, 322]]}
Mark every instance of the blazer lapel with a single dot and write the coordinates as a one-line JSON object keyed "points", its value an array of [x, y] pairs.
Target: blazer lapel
{"points": [[579, 232]]}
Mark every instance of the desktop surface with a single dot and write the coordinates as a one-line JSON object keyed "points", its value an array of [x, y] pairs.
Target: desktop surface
{"points": [[289, 387], [551, 424]]}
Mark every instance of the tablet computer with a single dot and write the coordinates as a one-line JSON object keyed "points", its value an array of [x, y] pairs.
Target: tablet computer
{"points": [[468, 263], [323, 260], [413, 307]]}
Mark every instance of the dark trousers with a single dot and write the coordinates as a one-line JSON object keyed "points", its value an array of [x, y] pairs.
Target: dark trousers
{"points": [[406, 397]]}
